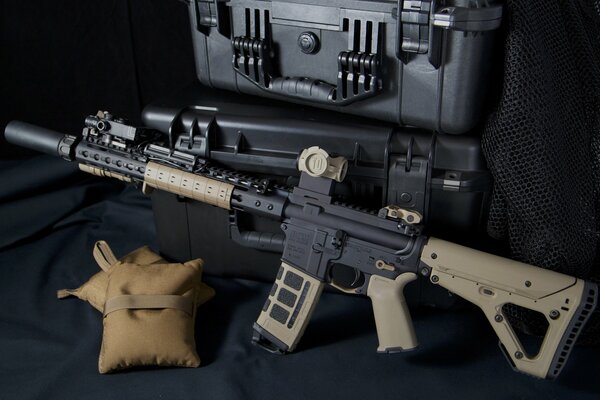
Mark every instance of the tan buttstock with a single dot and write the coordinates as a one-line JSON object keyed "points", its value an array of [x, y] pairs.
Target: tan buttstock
{"points": [[188, 185], [395, 329], [290, 305], [490, 282]]}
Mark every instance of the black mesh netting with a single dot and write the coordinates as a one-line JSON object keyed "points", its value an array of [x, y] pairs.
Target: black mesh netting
{"points": [[542, 143]]}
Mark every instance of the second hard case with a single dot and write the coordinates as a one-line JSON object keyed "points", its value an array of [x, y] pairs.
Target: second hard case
{"points": [[442, 177]]}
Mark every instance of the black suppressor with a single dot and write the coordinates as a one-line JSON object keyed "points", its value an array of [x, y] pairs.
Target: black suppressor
{"points": [[40, 139]]}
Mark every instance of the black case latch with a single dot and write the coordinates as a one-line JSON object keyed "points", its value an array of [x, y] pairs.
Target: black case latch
{"points": [[408, 178], [212, 13], [420, 24]]}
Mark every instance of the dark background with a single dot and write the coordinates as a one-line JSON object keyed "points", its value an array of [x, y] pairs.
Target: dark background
{"points": [[62, 60]]}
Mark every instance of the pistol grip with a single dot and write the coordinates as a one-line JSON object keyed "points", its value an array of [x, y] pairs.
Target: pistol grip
{"points": [[395, 329], [288, 309]]}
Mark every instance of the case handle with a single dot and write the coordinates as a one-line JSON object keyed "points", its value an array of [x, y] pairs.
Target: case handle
{"points": [[357, 75]]}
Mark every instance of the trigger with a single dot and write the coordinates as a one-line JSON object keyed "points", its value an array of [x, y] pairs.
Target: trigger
{"points": [[350, 282], [357, 276]]}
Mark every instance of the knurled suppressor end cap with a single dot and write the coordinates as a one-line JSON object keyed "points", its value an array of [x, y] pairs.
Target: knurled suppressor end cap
{"points": [[318, 163]]}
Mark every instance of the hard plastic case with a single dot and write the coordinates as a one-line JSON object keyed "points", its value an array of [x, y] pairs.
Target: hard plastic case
{"points": [[416, 63], [443, 177]]}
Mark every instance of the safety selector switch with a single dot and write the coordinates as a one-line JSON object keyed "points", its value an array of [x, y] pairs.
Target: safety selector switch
{"points": [[409, 217], [318, 163], [408, 220]]}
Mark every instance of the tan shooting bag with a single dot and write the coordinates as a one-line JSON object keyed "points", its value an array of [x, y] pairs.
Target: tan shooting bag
{"points": [[149, 308]]}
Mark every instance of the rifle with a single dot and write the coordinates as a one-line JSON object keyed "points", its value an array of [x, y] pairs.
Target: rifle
{"points": [[386, 249]]}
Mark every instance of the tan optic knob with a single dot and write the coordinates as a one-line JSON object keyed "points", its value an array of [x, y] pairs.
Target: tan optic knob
{"points": [[318, 163]]}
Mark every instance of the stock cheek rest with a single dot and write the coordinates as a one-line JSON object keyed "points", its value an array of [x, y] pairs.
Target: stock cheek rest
{"points": [[149, 308]]}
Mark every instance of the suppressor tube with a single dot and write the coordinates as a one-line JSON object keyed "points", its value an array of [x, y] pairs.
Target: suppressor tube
{"points": [[40, 139]]}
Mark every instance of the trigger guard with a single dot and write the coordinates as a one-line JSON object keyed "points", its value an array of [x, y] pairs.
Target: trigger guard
{"points": [[349, 290], [344, 289]]}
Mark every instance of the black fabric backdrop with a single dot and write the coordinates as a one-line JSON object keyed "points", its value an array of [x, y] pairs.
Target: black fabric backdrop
{"points": [[63, 60]]}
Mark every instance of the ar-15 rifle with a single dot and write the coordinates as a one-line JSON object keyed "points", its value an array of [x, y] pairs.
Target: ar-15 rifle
{"points": [[386, 249]]}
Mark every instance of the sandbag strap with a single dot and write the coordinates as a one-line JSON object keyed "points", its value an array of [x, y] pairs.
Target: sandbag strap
{"points": [[149, 301], [62, 293], [104, 255]]}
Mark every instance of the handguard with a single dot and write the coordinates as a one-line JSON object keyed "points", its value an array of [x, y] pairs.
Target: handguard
{"points": [[187, 184], [490, 282]]}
